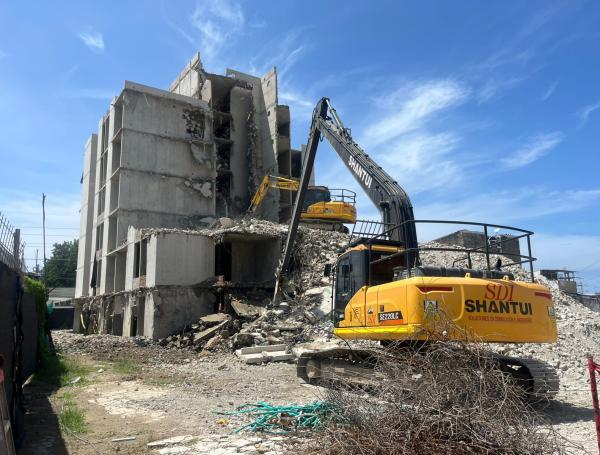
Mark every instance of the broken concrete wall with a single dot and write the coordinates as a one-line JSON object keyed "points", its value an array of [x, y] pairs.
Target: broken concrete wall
{"points": [[160, 311], [254, 259], [189, 81], [180, 259], [88, 180], [264, 157], [241, 150]]}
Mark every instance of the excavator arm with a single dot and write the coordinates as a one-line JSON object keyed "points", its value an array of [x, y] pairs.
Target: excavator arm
{"points": [[386, 194], [271, 181]]}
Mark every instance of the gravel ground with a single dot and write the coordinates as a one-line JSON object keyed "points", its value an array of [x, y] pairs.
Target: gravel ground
{"points": [[175, 395]]}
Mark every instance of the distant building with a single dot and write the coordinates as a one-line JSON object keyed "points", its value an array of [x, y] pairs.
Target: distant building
{"points": [[61, 296], [504, 244], [565, 279]]}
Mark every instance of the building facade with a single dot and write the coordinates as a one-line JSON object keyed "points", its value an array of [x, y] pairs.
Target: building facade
{"points": [[178, 158]]}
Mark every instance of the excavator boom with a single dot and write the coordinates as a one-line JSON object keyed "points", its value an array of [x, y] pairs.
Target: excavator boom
{"points": [[386, 194]]}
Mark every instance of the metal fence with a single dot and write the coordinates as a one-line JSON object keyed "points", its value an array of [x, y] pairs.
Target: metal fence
{"points": [[12, 249]]}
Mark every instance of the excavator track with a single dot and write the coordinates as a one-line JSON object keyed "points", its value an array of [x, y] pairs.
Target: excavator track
{"points": [[355, 367], [538, 378]]}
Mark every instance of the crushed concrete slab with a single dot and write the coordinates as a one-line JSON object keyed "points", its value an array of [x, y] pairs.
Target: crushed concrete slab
{"points": [[210, 332], [246, 310], [264, 354], [215, 318]]}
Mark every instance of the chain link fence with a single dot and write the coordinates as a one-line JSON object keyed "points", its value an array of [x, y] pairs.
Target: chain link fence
{"points": [[12, 249]]}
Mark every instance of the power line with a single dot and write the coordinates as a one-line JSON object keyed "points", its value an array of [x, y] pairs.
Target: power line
{"points": [[41, 227], [51, 235]]}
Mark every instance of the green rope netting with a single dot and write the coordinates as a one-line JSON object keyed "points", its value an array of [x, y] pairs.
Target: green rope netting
{"points": [[285, 419]]}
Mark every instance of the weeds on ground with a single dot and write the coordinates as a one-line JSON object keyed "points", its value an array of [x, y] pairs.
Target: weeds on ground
{"points": [[71, 418], [59, 371], [126, 366]]}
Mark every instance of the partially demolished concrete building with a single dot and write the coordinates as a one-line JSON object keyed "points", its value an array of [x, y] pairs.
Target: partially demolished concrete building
{"points": [[177, 159]]}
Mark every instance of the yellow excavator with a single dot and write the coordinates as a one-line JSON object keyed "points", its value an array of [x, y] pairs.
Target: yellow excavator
{"points": [[322, 207], [382, 291]]}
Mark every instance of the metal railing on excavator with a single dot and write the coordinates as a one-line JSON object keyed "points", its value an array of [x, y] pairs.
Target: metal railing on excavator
{"points": [[493, 244]]}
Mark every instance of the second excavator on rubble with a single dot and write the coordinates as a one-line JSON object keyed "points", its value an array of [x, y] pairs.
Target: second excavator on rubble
{"points": [[323, 208], [382, 291]]}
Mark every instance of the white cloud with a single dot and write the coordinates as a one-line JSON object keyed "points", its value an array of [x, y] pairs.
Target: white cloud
{"points": [[550, 90], [217, 22], [506, 207], [93, 40], [522, 45], [493, 88], [416, 105], [301, 106], [282, 52], [533, 150], [585, 112], [424, 160]]}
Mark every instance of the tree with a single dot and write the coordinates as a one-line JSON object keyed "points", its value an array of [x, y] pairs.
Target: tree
{"points": [[61, 267]]}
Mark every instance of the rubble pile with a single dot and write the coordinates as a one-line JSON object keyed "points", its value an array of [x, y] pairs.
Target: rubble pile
{"points": [[300, 316], [313, 249], [245, 225], [207, 333], [459, 259]]}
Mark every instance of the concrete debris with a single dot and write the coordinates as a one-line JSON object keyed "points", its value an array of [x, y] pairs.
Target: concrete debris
{"points": [[247, 310], [124, 439], [459, 259], [218, 327], [265, 354], [171, 441]]}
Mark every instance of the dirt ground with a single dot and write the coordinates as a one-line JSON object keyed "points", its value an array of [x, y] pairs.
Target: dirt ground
{"points": [[147, 393]]}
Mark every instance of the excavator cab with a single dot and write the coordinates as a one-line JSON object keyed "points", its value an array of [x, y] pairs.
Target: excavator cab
{"points": [[322, 204], [362, 266]]}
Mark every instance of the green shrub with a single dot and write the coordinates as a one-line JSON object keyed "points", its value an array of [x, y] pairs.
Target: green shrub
{"points": [[40, 294]]}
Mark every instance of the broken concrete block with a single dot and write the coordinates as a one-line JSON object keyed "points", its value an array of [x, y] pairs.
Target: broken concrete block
{"points": [[226, 223], [246, 310], [241, 340], [210, 332], [323, 311], [315, 291], [216, 318], [213, 343], [264, 354], [171, 441]]}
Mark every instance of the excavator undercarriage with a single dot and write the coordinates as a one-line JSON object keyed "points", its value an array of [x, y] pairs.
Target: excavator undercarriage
{"points": [[352, 369]]}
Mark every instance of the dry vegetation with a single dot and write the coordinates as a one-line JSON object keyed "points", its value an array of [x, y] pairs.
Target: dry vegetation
{"points": [[438, 397]]}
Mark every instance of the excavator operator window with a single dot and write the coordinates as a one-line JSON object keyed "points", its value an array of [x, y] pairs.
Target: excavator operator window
{"points": [[343, 288], [315, 195], [382, 267]]}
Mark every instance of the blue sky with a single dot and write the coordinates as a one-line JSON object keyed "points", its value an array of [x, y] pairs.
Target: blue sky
{"points": [[483, 111]]}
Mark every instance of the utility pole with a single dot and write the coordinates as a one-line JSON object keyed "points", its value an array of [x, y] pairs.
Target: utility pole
{"points": [[37, 269], [44, 231]]}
